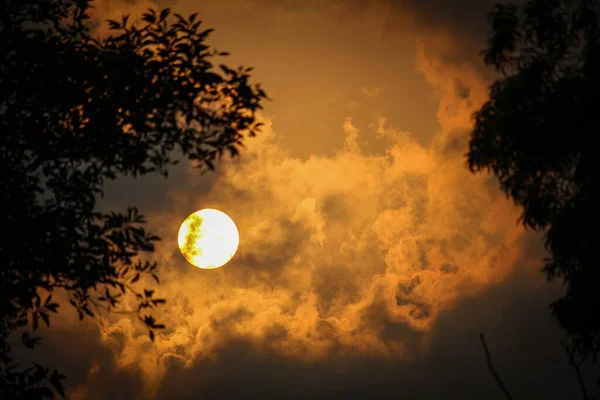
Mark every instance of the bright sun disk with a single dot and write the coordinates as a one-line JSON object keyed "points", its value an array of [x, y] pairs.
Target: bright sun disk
{"points": [[208, 238]]}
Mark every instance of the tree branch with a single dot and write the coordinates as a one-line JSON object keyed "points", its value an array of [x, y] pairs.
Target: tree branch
{"points": [[575, 365], [491, 367]]}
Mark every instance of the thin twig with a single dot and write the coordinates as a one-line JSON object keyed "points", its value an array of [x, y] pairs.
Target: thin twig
{"points": [[491, 367], [575, 365]]}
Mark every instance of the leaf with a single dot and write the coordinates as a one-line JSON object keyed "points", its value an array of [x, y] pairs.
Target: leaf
{"points": [[46, 393], [45, 317], [151, 335], [35, 321], [225, 69], [135, 278], [39, 368], [52, 307], [88, 311], [113, 25], [5, 358], [30, 341], [149, 17], [55, 381], [164, 14]]}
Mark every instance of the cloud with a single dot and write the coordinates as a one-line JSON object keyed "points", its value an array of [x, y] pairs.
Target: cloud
{"points": [[77, 350], [371, 91], [465, 20], [454, 362], [351, 254], [461, 91], [353, 263], [455, 366]]}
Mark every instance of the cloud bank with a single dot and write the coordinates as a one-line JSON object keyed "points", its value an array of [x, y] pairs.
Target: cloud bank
{"points": [[362, 233], [351, 254]]}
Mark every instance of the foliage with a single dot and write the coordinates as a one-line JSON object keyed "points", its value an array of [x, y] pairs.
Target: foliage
{"points": [[76, 110], [536, 135]]}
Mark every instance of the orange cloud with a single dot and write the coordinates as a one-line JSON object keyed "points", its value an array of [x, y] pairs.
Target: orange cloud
{"points": [[338, 253], [348, 252], [371, 91]]}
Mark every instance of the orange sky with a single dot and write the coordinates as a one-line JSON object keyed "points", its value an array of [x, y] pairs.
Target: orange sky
{"points": [[363, 237]]}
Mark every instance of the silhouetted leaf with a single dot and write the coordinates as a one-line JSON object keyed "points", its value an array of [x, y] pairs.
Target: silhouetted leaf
{"points": [[164, 14], [52, 307], [45, 318], [45, 393], [35, 320], [55, 381], [113, 25], [149, 17]]}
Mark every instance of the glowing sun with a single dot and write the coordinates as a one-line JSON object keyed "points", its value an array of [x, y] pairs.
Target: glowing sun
{"points": [[208, 238]]}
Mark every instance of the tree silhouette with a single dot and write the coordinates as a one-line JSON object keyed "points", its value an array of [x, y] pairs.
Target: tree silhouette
{"points": [[536, 135], [76, 110]]}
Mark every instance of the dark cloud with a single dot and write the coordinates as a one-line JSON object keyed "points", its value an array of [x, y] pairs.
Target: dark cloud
{"points": [[153, 193], [243, 371], [267, 259], [464, 18], [335, 283], [91, 370], [522, 338]]}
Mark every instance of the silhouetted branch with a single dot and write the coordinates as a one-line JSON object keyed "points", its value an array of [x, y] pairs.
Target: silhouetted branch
{"points": [[548, 53], [131, 103], [491, 367], [575, 365]]}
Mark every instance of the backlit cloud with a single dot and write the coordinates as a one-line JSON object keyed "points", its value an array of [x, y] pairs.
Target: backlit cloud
{"points": [[343, 254], [360, 226]]}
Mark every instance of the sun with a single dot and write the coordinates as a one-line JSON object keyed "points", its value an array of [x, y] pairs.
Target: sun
{"points": [[208, 238]]}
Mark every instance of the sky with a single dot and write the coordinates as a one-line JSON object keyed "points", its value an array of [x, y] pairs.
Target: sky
{"points": [[370, 258]]}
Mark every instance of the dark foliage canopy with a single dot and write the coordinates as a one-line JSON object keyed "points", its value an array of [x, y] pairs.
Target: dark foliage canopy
{"points": [[76, 110], [537, 135]]}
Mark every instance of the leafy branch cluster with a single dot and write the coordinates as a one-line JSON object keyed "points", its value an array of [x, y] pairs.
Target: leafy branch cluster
{"points": [[76, 110], [536, 134]]}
